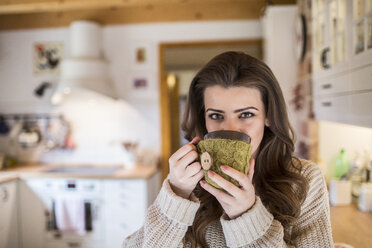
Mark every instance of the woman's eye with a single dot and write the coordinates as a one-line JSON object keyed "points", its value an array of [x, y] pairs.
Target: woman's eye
{"points": [[215, 116], [246, 115]]}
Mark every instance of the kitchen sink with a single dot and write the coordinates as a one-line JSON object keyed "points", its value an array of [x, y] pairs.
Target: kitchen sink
{"points": [[84, 170]]}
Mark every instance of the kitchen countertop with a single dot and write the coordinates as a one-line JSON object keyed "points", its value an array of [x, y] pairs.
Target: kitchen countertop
{"points": [[351, 226], [39, 170], [4, 178]]}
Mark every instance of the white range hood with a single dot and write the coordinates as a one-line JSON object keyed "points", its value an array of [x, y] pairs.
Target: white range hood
{"points": [[85, 68]]}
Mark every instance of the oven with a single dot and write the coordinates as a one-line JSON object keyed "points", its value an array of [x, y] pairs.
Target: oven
{"points": [[46, 192]]}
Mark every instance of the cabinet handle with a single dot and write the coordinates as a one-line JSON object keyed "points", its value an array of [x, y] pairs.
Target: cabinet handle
{"points": [[73, 244], [5, 195], [326, 104], [324, 58], [326, 86]]}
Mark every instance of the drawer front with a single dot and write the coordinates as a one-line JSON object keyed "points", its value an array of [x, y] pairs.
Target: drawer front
{"points": [[334, 85], [361, 79], [333, 108], [361, 108]]}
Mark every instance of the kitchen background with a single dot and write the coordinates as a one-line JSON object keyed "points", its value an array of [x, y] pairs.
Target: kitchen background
{"points": [[123, 112]]}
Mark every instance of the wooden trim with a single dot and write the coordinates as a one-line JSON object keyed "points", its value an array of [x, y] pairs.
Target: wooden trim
{"points": [[133, 14], [27, 7], [212, 43], [166, 132], [164, 117], [8, 7]]}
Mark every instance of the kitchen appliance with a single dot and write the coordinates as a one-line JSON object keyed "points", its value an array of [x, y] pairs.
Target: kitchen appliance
{"points": [[85, 68], [42, 220]]}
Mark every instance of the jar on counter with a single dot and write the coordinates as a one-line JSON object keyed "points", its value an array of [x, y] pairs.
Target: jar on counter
{"points": [[365, 197]]}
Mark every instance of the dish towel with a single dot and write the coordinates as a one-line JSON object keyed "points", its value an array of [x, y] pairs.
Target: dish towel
{"points": [[70, 214]]}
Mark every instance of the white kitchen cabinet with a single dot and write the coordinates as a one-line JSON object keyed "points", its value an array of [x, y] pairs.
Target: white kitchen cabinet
{"points": [[8, 215], [342, 61], [126, 205], [32, 214]]}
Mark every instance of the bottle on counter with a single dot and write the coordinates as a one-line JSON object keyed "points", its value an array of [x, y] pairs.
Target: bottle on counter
{"points": [[342, 165]]}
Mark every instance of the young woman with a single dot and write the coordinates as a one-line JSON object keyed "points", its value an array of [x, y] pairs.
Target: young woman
{"points": [[282, 202]]}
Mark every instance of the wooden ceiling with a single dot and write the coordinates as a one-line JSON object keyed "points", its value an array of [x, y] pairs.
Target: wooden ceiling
{"points": [[26, 14]]}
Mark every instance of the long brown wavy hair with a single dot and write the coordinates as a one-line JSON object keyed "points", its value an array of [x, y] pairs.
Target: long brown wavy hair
{"points": [[277, 179]]}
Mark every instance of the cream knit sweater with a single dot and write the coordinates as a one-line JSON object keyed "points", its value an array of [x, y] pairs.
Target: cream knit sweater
{"points": [[170, 215]]}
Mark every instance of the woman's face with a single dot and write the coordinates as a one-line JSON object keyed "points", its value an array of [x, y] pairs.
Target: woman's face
{"points": [[238, 109]]}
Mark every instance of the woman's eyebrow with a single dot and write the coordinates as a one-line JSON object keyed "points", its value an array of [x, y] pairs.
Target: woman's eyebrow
{"points": [[243, 109], [215, 110]]}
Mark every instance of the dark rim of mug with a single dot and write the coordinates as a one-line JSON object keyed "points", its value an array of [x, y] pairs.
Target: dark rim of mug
{"points": [[228, 134]]}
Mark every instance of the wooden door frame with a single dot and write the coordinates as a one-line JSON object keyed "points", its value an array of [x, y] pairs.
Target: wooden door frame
{"points": [[163, 88]]}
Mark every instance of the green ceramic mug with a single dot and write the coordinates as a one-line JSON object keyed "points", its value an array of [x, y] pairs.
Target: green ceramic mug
{"points": [[224, 148]]}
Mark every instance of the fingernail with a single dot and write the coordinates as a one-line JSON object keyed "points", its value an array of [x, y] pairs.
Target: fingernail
{"points": [[223, 167], [202, 182], [211, 173]]}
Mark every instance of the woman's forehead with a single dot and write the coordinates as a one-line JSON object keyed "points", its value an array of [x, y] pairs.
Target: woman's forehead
{"points": [[232, 97]]}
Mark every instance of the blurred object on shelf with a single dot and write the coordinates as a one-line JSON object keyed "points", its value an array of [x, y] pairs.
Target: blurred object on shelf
{"points": [[359, 171], [339, 192], [9, 162], [32, 135], [4, 128], [131, 160], [2, 158], [147, 157]]}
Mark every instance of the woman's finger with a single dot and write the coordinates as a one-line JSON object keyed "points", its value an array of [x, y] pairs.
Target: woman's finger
{"points": [[237, 175], [220, 195], [195, 140], [198, 176], [181, 152], [226, 185], [193, 168], [188, 159], [251, 169]]}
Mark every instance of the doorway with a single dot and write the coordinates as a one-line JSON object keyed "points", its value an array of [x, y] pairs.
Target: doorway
{"points": [[178, 64]]}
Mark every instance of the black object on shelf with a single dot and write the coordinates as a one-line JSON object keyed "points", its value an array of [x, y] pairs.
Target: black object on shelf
{"points": [[40, 90]]}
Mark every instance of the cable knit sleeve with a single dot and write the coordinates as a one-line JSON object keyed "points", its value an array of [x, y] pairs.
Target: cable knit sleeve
{"points": [[258, 228], [166, 221]]}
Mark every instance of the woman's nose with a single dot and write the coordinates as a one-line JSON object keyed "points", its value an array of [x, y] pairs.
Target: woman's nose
{"points": [[231, 125]]}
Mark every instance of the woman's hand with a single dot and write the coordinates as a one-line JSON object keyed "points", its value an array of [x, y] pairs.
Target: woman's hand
{"points": [[236, 200], [184, 170]]}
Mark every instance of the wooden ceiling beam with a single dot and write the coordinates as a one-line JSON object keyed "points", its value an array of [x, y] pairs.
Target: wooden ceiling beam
{"points": [[9, 7], [44, 6], [130, 15], [61, 13]]}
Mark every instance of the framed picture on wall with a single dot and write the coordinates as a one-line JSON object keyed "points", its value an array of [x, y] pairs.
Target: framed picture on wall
{"points": [[47, 57], [140, 83], [141, 55], [143, 84]]}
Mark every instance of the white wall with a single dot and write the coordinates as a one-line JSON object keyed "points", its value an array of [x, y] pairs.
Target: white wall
{"points": [[17, 81], [279, 44], [279, 53]]}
